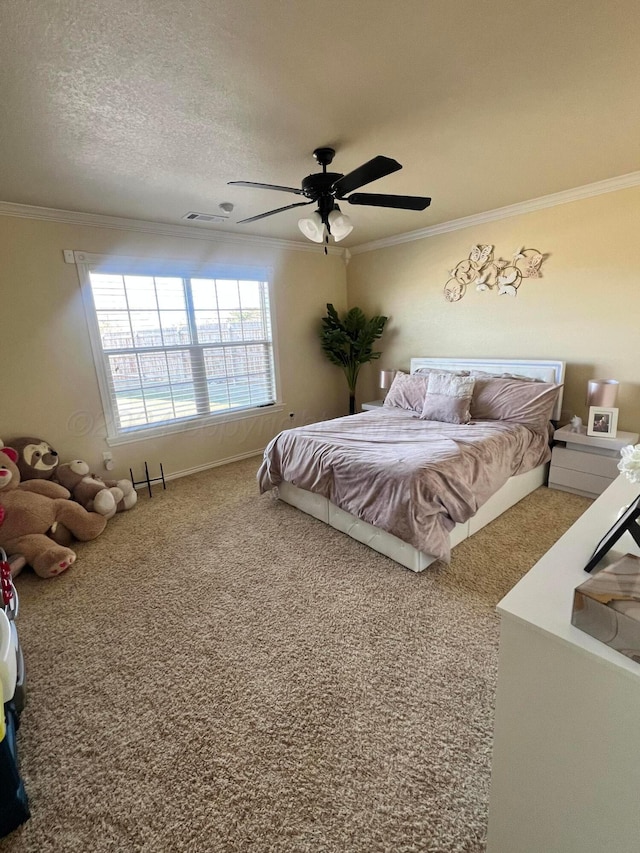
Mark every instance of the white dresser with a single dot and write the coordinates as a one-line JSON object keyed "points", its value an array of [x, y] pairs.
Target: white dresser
{"points": [[586, 464], [566, 753]]}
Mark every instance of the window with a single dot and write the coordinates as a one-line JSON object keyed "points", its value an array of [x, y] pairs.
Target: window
{"points": [[176, 349]]}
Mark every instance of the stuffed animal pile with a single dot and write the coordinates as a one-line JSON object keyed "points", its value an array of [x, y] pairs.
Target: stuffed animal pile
{"points": [[29, 510], [44, 505], [38, 460]]}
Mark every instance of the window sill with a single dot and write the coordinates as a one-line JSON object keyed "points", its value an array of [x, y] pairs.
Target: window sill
{"points": [[162, 430]]}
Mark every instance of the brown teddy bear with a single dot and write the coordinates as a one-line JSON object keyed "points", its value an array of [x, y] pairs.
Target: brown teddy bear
{"points": [[28, 510], [37, 460], [94, 494]]}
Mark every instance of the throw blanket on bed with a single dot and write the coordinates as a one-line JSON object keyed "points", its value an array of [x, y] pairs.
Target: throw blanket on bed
{"points": [[410, 477]]}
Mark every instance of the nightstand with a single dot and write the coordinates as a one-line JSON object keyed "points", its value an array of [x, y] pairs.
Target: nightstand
{"points": [[586, 464], [373, 404]]}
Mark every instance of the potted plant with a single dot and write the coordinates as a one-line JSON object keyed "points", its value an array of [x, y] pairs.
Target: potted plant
{"points": [[348, 342]]}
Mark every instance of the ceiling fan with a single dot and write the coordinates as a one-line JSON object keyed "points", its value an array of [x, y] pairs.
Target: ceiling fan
{"points": [[327, 188]]}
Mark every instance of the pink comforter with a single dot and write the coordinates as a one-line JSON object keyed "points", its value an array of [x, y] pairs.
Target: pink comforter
{"points": [[413, 478]]}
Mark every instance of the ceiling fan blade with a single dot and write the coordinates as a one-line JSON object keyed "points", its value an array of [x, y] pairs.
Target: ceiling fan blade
{"points": [[403, 202], [264, 186], [370, 171], [271, 212]]}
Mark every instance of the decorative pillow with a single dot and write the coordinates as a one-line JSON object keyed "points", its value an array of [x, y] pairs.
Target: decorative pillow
{"points": [[507, 399], [407, 391], [448, 398]]}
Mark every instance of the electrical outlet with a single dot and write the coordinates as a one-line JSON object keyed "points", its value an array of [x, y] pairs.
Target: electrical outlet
{"points": [[107, 459]]}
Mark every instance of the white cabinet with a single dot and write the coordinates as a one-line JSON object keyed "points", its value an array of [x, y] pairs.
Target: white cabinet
{"points": [[566, 762], [586, 464]]}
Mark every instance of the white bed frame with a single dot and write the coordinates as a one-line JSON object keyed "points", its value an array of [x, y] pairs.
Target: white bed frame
{"points": [[513, 490]]}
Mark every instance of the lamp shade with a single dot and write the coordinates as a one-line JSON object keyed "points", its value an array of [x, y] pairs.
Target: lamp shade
{"points": [[386, 378], [339, 225], [312, 227], [602, 392]]}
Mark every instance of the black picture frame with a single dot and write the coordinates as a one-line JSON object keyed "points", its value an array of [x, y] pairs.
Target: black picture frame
{"points": [[628, 521]]}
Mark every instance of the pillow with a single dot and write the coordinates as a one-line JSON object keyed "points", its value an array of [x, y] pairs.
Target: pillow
{"points": [[424, 370], [483, 374], [507, 399], [407, 391], [448, 398]]}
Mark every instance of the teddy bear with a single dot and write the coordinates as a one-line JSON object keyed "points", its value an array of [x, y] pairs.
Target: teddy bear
{"points": [[38, 460], [28, 510], [105, 497], [129, 494]]}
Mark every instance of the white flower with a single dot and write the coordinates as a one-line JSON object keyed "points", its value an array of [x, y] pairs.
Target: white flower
{"points": [[630, 462]]}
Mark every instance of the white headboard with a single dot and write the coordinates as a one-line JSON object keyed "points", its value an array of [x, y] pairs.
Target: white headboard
{"points": [[547, 371]]}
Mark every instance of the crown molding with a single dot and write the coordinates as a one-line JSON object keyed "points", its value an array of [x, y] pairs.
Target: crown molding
{"points": [[193, 232], [610, 185]]}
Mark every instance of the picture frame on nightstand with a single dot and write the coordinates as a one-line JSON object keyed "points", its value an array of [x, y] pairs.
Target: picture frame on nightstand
{"points": [[602, 422]]}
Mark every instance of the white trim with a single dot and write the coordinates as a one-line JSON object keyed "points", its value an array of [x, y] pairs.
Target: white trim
{"points": [[609, 185], [86, 262], [120, 223], [96, 220], [135, 265], [142, 484], [548, 370], [172, 427], [104, 382]]}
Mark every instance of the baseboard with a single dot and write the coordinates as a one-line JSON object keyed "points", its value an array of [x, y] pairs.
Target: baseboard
{"points": [[198, 468]]}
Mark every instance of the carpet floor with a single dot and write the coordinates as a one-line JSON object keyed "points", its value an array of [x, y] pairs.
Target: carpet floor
{"points": [[221, 672]]}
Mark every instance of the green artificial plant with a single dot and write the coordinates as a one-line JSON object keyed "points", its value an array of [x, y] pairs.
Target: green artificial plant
{"points": [[348, 342]]}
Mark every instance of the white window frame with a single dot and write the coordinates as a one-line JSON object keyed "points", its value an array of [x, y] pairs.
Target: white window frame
{"points": [[87, 263]]}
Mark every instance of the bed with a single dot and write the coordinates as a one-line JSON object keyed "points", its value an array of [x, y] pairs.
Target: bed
{"points": [[413, 487]]}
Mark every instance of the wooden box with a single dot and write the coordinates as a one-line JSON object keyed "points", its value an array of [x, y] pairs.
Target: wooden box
{"points": [[607, 606]]}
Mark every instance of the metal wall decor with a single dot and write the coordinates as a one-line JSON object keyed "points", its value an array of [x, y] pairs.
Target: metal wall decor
{"points": [[485, 273]]}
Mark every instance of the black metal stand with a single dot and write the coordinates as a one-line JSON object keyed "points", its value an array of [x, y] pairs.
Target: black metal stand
{"points": [[627, 522], [148, 480]]}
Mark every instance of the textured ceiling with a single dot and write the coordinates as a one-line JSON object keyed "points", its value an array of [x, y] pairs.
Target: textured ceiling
{"points": [[147, 109]]}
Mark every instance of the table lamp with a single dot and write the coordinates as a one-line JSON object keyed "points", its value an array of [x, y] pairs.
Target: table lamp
{"points": [[386, 378], [602, 392]]}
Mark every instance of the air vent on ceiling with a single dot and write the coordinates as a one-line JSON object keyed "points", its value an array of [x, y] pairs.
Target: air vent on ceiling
{"points": [[204, 217]]}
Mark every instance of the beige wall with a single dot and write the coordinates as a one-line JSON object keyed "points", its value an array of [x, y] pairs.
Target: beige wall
{"points": [[47, 376], [585, 309]]}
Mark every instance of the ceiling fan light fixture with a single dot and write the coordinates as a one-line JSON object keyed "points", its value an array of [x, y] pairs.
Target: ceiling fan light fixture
{"points": [[312, 227], [339, 224]]}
